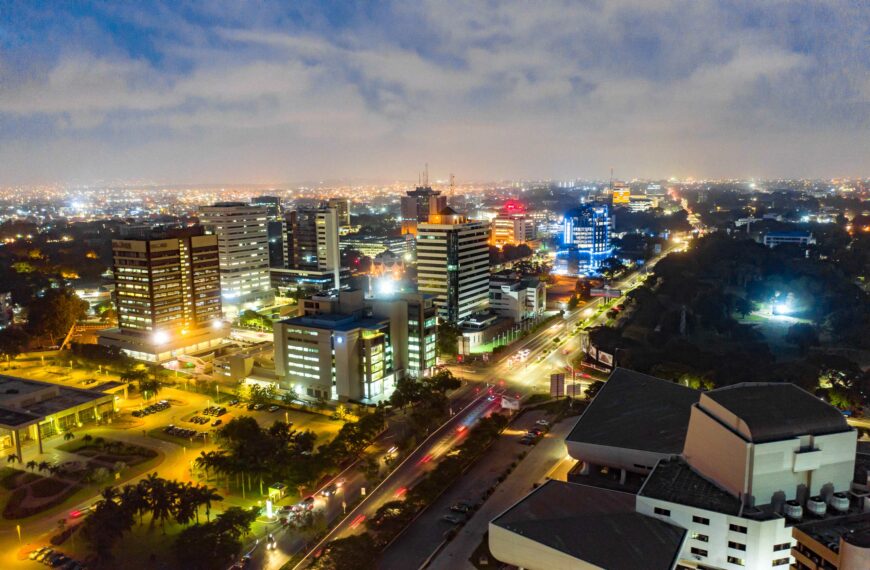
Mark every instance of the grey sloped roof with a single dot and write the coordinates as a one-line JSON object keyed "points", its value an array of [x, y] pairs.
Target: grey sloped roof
{"points": [[637, 411], [775, 411], [598, 526]]}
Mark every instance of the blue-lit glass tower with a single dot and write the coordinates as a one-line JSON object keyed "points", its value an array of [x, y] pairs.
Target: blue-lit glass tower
{"points": [[586, 239]]}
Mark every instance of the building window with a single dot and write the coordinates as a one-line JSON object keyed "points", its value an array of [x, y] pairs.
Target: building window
{"points": [[700, 520], [663, 512], [698, 551], [737, 528], [780, 562], [736, 545], [700, 537], [783, 546], [737, 561]]}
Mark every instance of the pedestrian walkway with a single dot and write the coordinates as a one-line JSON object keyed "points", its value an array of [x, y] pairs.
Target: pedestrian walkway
{"points": [[533, 469]]}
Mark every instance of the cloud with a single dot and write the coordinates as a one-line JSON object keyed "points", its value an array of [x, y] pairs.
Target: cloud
{"points": [[509, 89]]}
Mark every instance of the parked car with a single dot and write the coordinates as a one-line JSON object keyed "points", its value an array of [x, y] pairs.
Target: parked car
{"points": [[543, 423], [274, 408], [461, 507], [217, 422], [453, 519], [34, 553]]}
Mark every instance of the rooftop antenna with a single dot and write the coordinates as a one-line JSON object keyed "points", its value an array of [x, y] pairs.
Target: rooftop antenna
{"points": [[452, 186], [426, 177], [611, 179]]}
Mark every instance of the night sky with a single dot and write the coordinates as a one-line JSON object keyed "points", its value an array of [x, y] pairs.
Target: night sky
{"points": [[281, 92]]}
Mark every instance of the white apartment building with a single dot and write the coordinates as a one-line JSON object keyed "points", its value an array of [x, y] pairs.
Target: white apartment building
{"points": [[243, 251], [453, 263]]}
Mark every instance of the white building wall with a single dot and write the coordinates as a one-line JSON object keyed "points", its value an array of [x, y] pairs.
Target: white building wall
{"points": [[759, 539], [716, 452]]}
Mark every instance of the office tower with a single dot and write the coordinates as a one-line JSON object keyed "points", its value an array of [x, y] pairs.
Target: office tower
{"points": [[243, 243], [587, 239], [342, 210], [422, 334], [311, 247], [418, 204], [342, 349], [327, 241], [512, 226], [453, 263], [275, 227], [167, 292]]}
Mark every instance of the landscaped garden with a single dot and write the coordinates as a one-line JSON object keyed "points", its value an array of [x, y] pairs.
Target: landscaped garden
{"points": [[36, 487]]}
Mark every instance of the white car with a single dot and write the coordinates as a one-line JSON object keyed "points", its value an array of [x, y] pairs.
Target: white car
{"points": [[543, 423]]}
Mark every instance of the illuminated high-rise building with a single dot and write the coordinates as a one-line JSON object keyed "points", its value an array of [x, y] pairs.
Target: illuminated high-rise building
{"points": [[243, 245], [167, 293], [512, 226], [586, 239], [418, 204], [453, 263]]}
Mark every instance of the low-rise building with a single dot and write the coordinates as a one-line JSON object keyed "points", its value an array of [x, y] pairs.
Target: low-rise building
{"points": [[33, 411], [519, 298], [840, 543], [801, 238], [738, 469], [343, 347]]}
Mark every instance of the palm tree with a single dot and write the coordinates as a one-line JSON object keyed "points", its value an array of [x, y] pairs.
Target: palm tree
{"points": [[159, 498], [88, 438], [12, 458], [207, 495], [134, 501], [43, 466], [32, 465], [68, 435]]}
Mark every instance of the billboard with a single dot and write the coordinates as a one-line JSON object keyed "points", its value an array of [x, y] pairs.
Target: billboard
{"points": [[557, 385], [509, 403], [606, 293]]}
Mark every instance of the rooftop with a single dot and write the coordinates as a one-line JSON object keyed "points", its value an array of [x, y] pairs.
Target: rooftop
{"points": [[777, 411], [637, 411], [599, 526], [674, 481], [336, 322], [42, 399], [854, 529]]}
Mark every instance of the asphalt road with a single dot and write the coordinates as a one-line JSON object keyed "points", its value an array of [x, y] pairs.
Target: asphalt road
{"points": [[425, 534], [411, 470]]}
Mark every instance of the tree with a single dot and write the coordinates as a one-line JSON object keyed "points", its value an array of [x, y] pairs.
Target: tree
{"points": [[254, 320], [55, 313], [611, 267], [358, 552], [593, 389], [803, 335], [68, 435], [32, 465], [134, 374], [448, 338], [13, 341], [743, 306], [107, 524], [573, 302]]}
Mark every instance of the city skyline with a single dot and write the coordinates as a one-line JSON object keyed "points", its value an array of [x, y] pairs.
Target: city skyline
{"points": [[199, 94]]}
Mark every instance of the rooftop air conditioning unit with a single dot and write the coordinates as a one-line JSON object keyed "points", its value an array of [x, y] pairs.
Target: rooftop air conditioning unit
{"points": [[840, 502], [817, 506], [793, 510]]}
